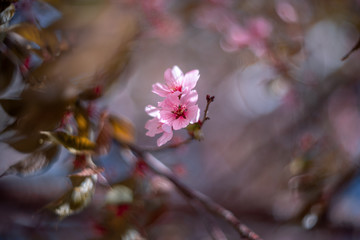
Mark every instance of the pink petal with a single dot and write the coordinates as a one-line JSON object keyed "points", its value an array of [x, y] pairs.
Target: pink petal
{"points": [[192, 113], [286, 12], [169, 78], [190, 79], [154, 127], [260, 27], [238, 36], [180, 123], [164, 138], [160, 89], [167, 117], [190, 98], [152, 111], [170, 101], [176, 72], [166, 128]]}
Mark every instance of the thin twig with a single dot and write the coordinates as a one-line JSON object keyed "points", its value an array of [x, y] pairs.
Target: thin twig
{"points": [[209, 99], [158, 167]]}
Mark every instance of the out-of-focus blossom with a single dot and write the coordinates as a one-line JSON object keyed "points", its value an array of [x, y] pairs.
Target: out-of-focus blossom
{"points": [[161, 185], [162, 23], [179, 111], [286, 12], [220, 18], [254, 36], [176, 81]]}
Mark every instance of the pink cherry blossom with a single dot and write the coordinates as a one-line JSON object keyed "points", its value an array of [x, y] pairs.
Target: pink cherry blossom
{"points": [[286, 12], [254, 36], [179, 111], [176, 81], [154, 126]]}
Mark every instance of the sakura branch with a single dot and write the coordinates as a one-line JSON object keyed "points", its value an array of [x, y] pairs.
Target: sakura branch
{"points": [[194, 130], [159, 168], [179, 110]]}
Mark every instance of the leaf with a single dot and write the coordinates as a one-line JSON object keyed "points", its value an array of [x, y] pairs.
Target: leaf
{"points": [[8, 69], [12, 107], [75, 144], [119, 194], [75, 199], [101, 48], [82, 121], [18, 45], [194, 130], [7, 14], [33, 163], [26, 143], [103, 140], [122, 130], [356, 47], [46, 40], [30, 32]]}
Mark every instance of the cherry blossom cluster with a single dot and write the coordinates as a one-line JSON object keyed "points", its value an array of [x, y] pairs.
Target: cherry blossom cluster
{"points": [[221, 17], [178, 109]]}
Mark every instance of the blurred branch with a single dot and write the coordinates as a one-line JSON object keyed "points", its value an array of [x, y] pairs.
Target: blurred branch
{"points": [[214, 231], [171, 146], [356, 47], [158, 167], [319, 204]]}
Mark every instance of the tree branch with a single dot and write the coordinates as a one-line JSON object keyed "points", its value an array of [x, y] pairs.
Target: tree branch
{"points": [[158, 167]]}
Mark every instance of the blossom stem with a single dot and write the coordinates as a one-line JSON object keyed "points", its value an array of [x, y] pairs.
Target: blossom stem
{"points": [[171, 146], [209, 99]]}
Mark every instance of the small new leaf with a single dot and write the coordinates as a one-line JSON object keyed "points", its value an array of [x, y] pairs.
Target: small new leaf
{"points": [[75, 144], [194, 131], [75, 199], [7, 14]]}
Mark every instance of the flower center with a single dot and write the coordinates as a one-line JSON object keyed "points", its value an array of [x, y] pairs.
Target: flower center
{"points": [[179, 111], [176, 88]]}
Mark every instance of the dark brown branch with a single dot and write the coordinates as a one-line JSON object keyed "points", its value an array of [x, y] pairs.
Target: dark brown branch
{"points": [[209, 99], [356, 47], [158, 167], [171, 146]]}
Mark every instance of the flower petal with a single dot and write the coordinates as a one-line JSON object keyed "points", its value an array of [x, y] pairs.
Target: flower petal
{"points": [[190, 79], [167, 128], [164, 138], [193, 113], [190, 98], [160, 89], [167, 117], [152, 111], [180, 123], [154, 127], [176, 72]]}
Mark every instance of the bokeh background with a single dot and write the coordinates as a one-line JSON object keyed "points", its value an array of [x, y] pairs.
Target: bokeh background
{"points": [[281, 149]]}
